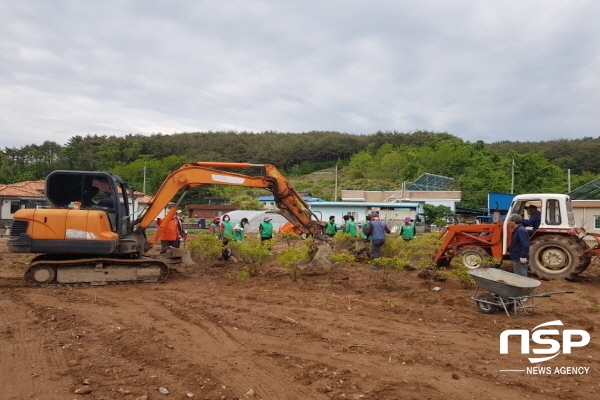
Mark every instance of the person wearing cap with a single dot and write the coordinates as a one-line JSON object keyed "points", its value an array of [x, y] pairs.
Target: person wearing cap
{"points": [[535, 218], [408, 230], [239, 229], [213, 228], [377, 229], [266, 229], [182, 233], [170, 236]]}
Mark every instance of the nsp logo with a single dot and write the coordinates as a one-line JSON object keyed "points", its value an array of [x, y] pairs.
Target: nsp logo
{"points": [[568, 341]]}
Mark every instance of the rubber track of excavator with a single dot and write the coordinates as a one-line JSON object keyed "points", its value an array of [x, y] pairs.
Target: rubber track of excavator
{"points": [[95, 271]]}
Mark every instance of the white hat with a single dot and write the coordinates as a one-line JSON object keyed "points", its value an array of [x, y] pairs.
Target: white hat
{"points": [[178, 211]]}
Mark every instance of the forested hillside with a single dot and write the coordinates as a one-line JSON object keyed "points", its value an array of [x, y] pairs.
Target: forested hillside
{"points": [[383, 160]]}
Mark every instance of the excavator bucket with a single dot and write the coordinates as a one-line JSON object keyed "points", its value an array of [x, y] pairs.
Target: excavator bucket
{"points": [[176, 256], [321, 258]]}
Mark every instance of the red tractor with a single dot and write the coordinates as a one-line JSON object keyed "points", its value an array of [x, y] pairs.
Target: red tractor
{"points": [[557, 246]]}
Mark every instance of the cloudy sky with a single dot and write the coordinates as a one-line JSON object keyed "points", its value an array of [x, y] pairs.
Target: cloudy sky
{"points": [[480, 70]]}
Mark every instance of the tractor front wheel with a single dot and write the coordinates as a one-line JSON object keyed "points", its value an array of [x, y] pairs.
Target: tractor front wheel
{"points": [[474, 257]]}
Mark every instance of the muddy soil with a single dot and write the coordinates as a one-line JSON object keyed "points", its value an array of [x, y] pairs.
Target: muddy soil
{"points": [[349, 333]]}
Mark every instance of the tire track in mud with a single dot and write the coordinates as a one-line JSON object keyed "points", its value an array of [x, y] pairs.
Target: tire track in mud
{"points": [[201, 334], [28, 363], [142, 331], [313, 371], [230, 353]]}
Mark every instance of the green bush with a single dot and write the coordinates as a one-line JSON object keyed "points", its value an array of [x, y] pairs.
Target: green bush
{"points": [[205, 247], [342, 258], [290, 257], [290, 238], [461, 273], [416, 253], [252, 252], [385, 262], [244, 274], [343, 242]]}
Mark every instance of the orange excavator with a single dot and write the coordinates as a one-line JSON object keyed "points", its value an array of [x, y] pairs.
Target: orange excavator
{"points": [[89, 236]]}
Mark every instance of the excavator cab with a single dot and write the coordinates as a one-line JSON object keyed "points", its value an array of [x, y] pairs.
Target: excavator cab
{"points": [[90, 191], [86, 216]]}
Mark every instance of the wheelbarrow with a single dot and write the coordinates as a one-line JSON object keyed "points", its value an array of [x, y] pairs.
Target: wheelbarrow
{"points": [[507, 291]]}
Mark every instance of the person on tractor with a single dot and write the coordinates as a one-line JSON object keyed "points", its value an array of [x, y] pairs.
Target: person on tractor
{"points": [[535, 218]]}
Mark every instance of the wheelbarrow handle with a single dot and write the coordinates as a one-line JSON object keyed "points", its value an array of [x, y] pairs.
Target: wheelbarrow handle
{"points": [[568, 291], [549, 294]]}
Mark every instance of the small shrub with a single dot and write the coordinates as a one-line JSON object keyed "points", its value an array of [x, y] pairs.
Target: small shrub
{"points": [[290, 238], [385, 262], [463, 276], [442, 276], [244, 274], [394, 246], [252, 252], [290, 257], [343, 242], [205, 247], [342, 258]]}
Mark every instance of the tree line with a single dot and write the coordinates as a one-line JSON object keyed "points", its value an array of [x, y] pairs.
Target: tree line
{"points": [[383, 160]]}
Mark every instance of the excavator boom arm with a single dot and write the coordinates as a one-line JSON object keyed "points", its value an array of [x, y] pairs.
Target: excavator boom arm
{"points": [[190, 175]]}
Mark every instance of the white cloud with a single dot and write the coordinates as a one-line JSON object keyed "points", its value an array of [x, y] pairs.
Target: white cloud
{"points": [[487, 71]]}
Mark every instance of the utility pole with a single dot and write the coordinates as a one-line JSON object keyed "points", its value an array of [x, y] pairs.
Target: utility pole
{"points": [[512, 181], [569, 180], [335, 190], [144, 186]]}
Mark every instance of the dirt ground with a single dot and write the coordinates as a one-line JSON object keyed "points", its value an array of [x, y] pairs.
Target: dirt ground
{"points": [[203, 334]]}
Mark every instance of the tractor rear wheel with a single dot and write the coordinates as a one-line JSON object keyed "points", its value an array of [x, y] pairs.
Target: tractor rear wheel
{"points": [[474, 257], [556, 257]]}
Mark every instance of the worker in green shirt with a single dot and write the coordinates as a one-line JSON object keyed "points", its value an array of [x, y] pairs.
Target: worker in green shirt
{"points": [[331, 227], [239, 230], [364, 227], [408, 230], [226, 228], [350, 226], [266, 229]]}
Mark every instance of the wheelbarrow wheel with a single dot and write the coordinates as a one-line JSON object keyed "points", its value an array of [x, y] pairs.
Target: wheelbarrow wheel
{"points": [[484, 304]]}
